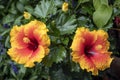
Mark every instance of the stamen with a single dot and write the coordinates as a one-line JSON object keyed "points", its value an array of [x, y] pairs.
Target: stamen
{"points": [[98, 47], [26, 40], [92, 53]]}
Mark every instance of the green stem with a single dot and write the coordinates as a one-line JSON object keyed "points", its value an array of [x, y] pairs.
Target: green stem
{"points": [[77, 6]]}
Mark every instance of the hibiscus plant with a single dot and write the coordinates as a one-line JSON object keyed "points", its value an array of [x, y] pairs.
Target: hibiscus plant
{"points": [[59, 39]]}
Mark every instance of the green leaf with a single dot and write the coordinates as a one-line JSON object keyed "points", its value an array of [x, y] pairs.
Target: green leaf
{"points": [[66, 25], [22, 69], [58, 3], [44, 9], [79, 3], [24, 1], [13, 73], [57, 54], [33, 78], [7, 42], [5, 32], [75, 67], [8, 18], [117, 3], [13, 9], [1, 7], [98, 3], [53, 30], [20, 7], [102, 15], [83, 1], [65, 40], [21, 72], [58, 75], [18, 20], [29, 9], [5, 69]]}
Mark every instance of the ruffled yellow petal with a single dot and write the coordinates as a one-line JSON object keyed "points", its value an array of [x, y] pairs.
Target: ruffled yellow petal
{"points": [[20, 55]]}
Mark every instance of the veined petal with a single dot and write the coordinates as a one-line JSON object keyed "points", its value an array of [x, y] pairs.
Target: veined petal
{"points": [[78, 44], [20, 55], [89, 36], [42, 38], [84, 62], [87, 64], [34, 25], [17, 35], [102, 61], [36, 56], [102, 39]]}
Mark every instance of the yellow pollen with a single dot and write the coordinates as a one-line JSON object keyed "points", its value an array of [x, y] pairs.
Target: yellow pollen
{"points": [[26, 39], [98, 47]]}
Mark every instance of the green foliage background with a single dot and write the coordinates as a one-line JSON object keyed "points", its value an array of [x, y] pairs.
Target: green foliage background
{"points": [[94, 14]]}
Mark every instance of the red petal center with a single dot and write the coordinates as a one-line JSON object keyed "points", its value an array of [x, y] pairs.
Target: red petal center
{"points": [[32, 43], [88, 52]]}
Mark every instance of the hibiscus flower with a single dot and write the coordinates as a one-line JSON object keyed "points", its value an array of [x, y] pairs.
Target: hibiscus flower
{"points": [[90, 50], [29, 43]]}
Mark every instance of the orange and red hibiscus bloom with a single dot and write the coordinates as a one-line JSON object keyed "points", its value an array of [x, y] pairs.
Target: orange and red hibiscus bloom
{"points": [[29, 43], [90, 50]]}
